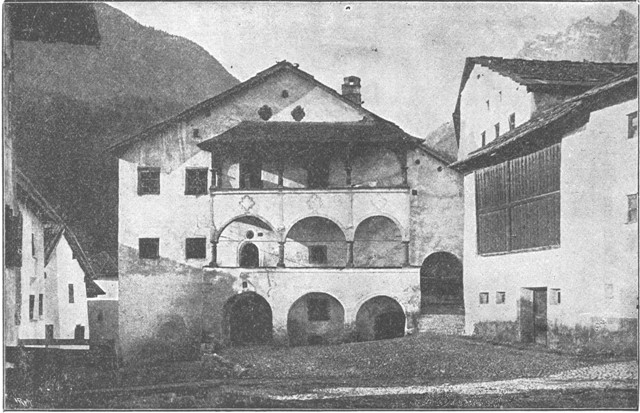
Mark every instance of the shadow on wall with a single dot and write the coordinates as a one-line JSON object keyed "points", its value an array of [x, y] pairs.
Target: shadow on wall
{"points": [[378, 243], [315, 318], [247, 320]]}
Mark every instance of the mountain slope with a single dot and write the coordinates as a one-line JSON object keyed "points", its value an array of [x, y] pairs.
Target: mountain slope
{"points": [[72, 101], [589, 40]]}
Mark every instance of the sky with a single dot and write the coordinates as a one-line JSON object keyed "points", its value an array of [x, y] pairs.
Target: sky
{"points": [[409, 56]]}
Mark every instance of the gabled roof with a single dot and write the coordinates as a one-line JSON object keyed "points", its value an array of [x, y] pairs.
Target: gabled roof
{"points": [[55, 228], [550, 125], [542, 74], [208, 104]]}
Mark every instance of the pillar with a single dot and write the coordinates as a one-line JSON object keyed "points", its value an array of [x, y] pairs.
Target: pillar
{"points": [[349, 254], [405, 244], [214, 254], [281, 254]]}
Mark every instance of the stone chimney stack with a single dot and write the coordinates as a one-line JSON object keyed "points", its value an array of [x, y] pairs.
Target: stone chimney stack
{"points": [[351, 89]]}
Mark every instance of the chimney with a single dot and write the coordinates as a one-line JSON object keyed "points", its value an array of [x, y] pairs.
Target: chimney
{"points": [[351, 89]]}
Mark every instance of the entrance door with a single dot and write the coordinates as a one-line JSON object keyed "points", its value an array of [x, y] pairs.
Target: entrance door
{"points": [[540, 316], [249, 256]]}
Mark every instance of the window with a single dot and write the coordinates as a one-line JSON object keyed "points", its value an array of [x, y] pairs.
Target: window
{"points": [[317, 254], [500, 297], [497, 128], [148, 181], [149, 248], [512, 121], [483, 135], [33, 245], [40, 305], [488, 105], [196, 133], [633, 125], [32, 302], [196, 181], [100, 316], [250, 175], [555, 296], [632, 208], [12, 237], [318, 309], [484, 298], [71, 297], [608, 291], [518, 203], [196, 248]]}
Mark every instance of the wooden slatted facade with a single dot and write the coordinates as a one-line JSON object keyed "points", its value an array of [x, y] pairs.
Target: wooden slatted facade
{"points": [[518, 203]]}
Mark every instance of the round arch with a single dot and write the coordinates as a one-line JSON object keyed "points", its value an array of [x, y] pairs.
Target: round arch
{"points": [[315, 318], [377, 242], [379, 318], [315, 242], [253, 218], [441, 284], [248, 319], [233, 239]]}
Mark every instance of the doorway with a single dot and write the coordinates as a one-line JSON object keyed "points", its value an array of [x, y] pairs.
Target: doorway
{"points": [[533, 315], [249, 319], [249, 256]]}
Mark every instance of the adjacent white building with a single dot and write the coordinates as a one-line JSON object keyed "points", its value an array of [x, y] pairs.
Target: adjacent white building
{"points": [[550, 230]]}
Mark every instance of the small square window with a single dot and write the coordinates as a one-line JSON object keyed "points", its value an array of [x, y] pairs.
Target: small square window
{"points": [[149, 248], [500, 297], [483, 135], [148, 181], [512, 121], [633, 125], [196, 181], [484, 298], [318, 309], [196, 248], [608, 291], [317, 254], [196, 133], [32, 303], [71, 296], [556, 298], [632, 208], [40, 305], [497, 127]]}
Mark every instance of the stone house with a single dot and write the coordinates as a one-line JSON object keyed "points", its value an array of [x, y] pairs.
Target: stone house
{"points": [[549, 153], [281, 210], [45, 299]]}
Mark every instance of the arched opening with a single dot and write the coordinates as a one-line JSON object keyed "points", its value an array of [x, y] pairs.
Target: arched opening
{"points": [[315, 318], [441, 284], [315, 242], [248, 319], [378, 243], [380, 318], [244, 240], [249, 256]]}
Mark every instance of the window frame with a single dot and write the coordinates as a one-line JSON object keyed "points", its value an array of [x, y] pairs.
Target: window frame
{"points": [[189, 187], [40, 305], [501, 297], [142, 187], [556, 296], [149, 240], [193, 240], [483, 298]]}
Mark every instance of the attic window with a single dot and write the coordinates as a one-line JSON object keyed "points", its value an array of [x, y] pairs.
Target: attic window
{"points": [[497, 127], [285, 94], [633, 125], [196, 133], [512, 121], [483, 135], [148, 181]]}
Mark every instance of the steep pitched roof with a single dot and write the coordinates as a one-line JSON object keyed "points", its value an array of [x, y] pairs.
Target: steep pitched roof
{"points": [[537, 74], [55, 228], [208, 104], [549, 126]]}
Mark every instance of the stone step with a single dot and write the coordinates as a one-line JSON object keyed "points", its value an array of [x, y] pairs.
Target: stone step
{"points": [[451, 324]]}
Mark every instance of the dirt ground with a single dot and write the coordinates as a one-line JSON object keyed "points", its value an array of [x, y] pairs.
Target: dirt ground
{"points": [[424, 371]]}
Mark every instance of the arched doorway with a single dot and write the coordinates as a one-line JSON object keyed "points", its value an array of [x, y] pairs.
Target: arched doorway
{"points": [[380, 318], [441, 285], [249, 256], [378, 243], [315, 318], [249, 319]]}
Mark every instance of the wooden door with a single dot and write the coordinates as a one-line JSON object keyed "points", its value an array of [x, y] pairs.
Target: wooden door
{"points": [[540, 316]]}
